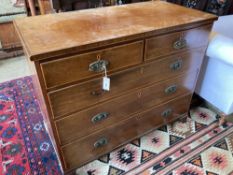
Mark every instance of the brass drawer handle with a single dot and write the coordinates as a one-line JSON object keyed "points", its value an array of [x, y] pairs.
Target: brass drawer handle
{"points": [[99, 117], [166, 113], [98, 66], [171, 89], [176, 65], [101, 142], [180, 44]]}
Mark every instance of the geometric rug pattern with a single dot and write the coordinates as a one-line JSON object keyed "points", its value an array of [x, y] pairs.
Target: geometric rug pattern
{"points": [[209, 154], [25, 146], [215, 160]]}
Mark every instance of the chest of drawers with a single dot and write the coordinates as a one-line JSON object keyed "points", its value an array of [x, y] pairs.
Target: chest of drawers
{"points": [[152, 52]]}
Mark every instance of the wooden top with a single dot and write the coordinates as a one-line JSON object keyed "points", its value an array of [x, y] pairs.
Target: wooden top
{"points": [[56, 34]]}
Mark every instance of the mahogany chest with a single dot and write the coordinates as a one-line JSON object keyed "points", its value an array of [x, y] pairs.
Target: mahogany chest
{"points": [[152, 53]]}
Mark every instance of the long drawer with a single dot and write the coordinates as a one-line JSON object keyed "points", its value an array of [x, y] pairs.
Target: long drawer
{"points": [[78, 67], [175, 42], [74, 98], [103, 115], [107, 139]]}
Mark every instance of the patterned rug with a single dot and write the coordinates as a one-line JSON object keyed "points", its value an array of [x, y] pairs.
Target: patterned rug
{"points": [[25, 145], [197, 146]]}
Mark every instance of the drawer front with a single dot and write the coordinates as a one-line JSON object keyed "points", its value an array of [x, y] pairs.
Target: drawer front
{"points": [[165, 112], [84, 123], [77, 97], [172, 88], [91, 147], [75, 68], [175, 42]]}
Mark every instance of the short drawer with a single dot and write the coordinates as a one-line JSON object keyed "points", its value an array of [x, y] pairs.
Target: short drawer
{"points": [[78, 67], [175, 42], [91, 147], [166, 112], [103, 115], [80, 96]]}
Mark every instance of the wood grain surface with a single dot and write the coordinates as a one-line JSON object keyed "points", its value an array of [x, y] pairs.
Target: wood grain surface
{"points": [[67, 32]]}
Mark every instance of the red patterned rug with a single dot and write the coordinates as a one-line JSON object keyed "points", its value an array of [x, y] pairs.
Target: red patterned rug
{"points": [[25, 145], [197, 146]]}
